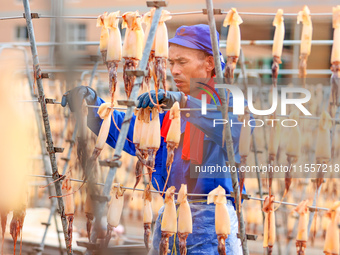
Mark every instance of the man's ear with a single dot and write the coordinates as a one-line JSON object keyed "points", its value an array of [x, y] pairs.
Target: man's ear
{"points": [[210, 63]]}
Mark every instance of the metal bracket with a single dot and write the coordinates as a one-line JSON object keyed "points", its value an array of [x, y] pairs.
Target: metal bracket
{"points": [[90, 246], [263, 193], [243, 196], [95, 58], [156, 4], [45, 223], [136, 73], [34, 15], [55, 149], [110, 163], [249, 237], [100, 198], [71, 141], [65, 159], [128, 103], [216, 11], [45, 75], [312, 209]]}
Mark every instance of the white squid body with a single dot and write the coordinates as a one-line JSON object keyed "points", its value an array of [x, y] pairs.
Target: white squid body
{"points": [[307, 30], [174, 133], [116, 207], [294, 141], [161, 38], [222, 218], [104, 113], [323, 139], [66, 188], [104, 34], [147, 212], [332, 235], [114, 48], [144, 134], [302, 210], [169, 220], [279, 34], [233, 20], [137, 129], [184, 212], [154, 133], [134, 36], [336, 35], [147, 18], [245, 136]]}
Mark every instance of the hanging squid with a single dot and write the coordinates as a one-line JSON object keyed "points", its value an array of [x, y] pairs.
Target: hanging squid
{"points": [[233, 20], [269, 234], [335, 59], [114, 50], [104, 36], [244, 144], [302, 235], [153, 140], [67, 192], [306, 39], [222, 218], [277, 44], [184, 219], [132, 47], [331, 246], [115, 211], [161, 52], [147, 218], [169, 221], [89, 213]]}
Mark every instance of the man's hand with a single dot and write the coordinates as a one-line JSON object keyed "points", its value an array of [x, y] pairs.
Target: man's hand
{"points": [[168, 100], [74, 97]]}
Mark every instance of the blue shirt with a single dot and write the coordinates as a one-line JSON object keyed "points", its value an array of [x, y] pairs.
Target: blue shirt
{"points": [[199, 182]]}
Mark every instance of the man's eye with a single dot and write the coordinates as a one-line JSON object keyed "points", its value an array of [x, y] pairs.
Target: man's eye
{"points": [[183, 62]]}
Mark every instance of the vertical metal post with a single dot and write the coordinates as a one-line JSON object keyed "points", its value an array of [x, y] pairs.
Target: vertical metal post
{"points": [[229, 141], [49, 140], [99, 210]]}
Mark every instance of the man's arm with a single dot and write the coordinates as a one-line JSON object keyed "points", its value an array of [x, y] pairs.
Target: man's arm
{"points": [[94, 122]]}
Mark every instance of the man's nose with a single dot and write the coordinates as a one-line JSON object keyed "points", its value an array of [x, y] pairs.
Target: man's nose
{"points": [[175, 69]]}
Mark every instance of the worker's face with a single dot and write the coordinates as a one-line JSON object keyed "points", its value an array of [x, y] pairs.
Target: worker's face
{"points": [[186, 63]]}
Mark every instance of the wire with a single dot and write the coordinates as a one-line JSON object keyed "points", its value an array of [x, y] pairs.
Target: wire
{"points": [[189, 194]]}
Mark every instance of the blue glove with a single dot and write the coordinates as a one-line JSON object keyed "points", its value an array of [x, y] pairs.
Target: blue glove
{"points": [[168, 100], [74, 97]]}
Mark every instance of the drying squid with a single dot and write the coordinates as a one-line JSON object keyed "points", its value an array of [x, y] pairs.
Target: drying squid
{"points": [[293, 149], [132, 47], [153, 140], [233, 20], [277, 44], [269, 234], [335, 57], [67, 192], [244, 144], [147, 217], [115, 211], [104, 111], [174, 133], [18, 221], [114, 50], [331, 246], [222, 219], [104, 36], [161, 51], [150, 68], [169, 221], [302, 235], [323, 144], [306, 39], [274, 141], [184, 219]]}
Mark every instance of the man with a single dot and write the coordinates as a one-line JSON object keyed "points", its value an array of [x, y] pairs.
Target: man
{"points": [[190, 56]]}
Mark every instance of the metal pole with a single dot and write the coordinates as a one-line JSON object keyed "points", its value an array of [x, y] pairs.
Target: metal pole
{"points": [[125, 126], [229, 141], [49, 139]]}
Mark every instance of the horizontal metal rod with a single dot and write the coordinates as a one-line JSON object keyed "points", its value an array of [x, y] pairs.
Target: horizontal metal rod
{"points": [[222, 43], [173, 14], [189, 194]]}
